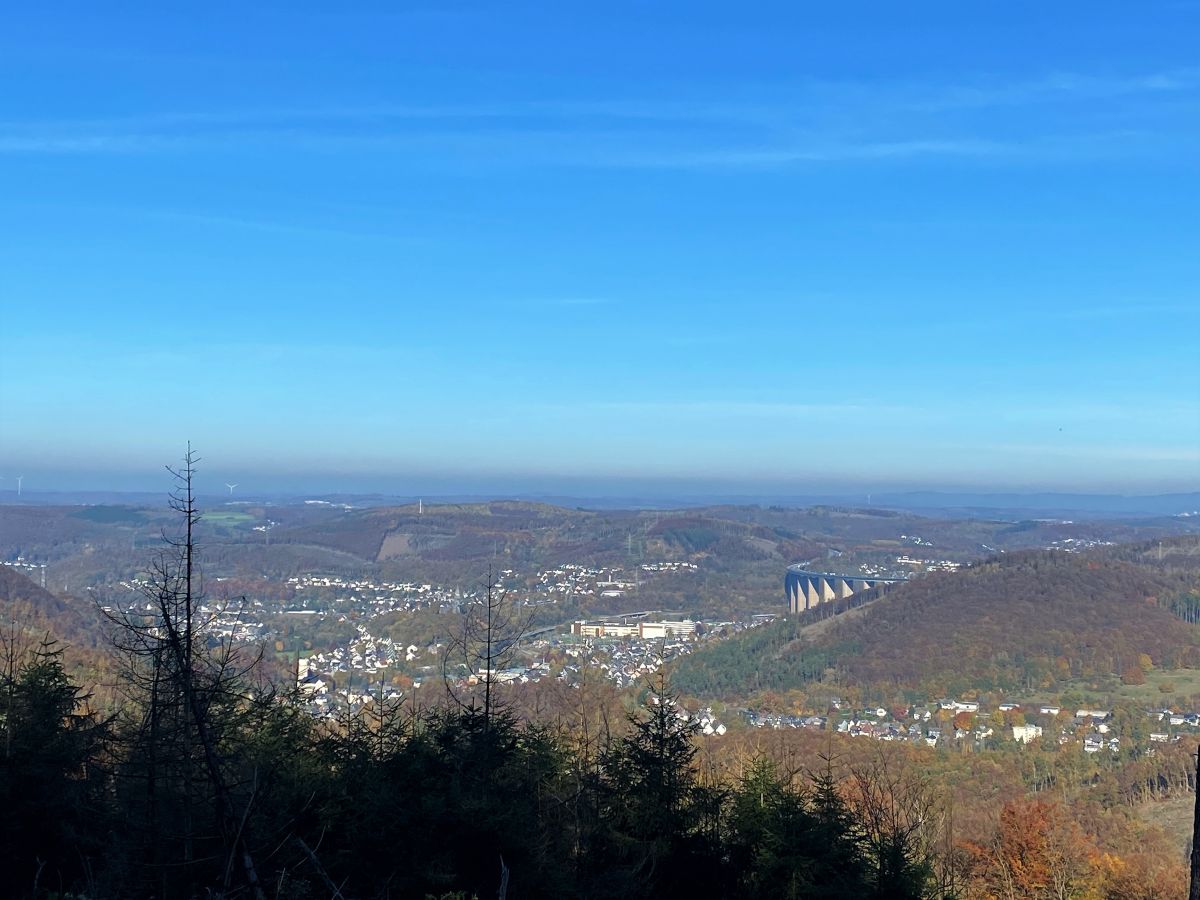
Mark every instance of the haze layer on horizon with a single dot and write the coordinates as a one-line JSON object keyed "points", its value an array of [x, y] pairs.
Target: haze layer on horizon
{"points": [[795, 248]]}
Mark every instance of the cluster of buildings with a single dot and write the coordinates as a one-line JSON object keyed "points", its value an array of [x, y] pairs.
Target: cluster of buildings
{"points": [[942, 724], [326, 702], [35, 571], [928, 565], [626, 650], [367, 654], [705, 720], [370, 661], [623, 662], [367, 664], [378, 597], [573, 580], [879, 570], [640, 648], [238, 620], [641, 629], [1075, 545]]}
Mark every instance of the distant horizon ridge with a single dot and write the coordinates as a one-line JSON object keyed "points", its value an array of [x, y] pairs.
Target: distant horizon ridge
{"points": [[1156, 503]]}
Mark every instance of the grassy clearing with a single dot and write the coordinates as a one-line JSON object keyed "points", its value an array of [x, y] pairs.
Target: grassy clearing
{"points": [[1173, 816], [1183, 683], [228, 518], [111, 515]]}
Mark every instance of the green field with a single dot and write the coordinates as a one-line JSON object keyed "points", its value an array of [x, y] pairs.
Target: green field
{"points": [[228, 518], [111, 515], [1183, 683]]}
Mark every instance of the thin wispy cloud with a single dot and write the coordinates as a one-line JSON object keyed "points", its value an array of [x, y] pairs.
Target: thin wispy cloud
{"points": [[812, 124], [491, 149], [776, 105], [272, 226], [775, 157], [100, 143], [1055, 88], [766, 410], [579, 301]]}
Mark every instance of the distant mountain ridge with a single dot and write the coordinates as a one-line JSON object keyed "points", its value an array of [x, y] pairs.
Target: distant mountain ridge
{"points": [[973, 502], [1111, 504]]}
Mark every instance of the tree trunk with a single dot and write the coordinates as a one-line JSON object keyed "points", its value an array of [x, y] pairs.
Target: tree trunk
{"points": [[1194, 892]]}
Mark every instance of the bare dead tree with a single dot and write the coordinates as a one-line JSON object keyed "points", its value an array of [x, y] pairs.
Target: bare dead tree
{"points": [[185, 694], [489, 632], [901, 813]]}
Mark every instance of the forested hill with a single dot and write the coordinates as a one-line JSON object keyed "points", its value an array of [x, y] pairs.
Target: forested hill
{"points": [[37, 612], [19, 594], [1026, 621]]}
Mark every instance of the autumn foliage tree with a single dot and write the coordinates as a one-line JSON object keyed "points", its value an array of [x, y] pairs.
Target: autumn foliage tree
{"points": [[1133, 675]]}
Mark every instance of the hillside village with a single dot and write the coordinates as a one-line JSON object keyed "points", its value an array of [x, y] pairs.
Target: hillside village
{"points": [[359, 601], [625, 649], [626, 656], [967, 724]]}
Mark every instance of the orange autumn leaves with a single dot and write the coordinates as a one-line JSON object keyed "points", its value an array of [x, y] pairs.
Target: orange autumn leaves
{"points": [[1038, 851]]}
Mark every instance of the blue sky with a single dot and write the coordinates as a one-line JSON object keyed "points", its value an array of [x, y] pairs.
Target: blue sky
{"points": [[792, 247]]}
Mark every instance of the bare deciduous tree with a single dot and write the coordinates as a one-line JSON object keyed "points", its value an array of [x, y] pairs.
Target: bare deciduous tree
{"points": [[902, 817], [486, 640], [186, 688]]}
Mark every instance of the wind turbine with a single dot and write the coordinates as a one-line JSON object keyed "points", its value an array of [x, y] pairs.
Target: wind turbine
{"points": [[231, 487], [20, 478]]}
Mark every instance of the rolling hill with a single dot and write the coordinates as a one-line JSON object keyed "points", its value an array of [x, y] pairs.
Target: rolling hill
{"points": [[1025, 621], [30, 614]]}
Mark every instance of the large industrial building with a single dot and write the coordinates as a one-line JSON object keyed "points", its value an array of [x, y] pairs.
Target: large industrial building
{"points": [[807, 589]]}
